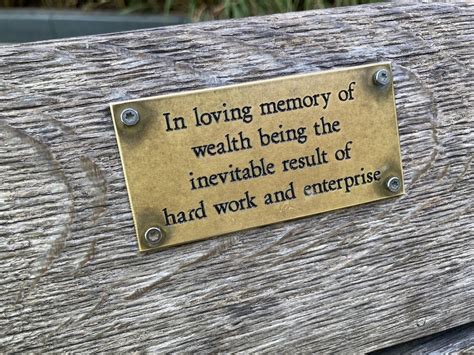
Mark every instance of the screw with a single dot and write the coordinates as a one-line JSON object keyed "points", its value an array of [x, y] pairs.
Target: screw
{"points": [[394, 184], [154, 235], [382, 77], [129, 117]]}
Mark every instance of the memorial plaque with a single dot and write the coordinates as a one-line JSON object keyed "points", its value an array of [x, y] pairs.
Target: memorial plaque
{"points": [[208, 162]]}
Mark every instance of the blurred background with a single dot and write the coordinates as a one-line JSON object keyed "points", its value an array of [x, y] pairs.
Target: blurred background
{"points": [[34, 20]]}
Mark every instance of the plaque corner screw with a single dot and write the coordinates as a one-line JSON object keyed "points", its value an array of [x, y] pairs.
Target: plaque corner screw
{"points": [[129, 117], [154, 235], [382, 77], [394, 184]]}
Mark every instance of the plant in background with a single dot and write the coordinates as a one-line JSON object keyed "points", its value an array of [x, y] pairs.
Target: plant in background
{"points": [[197, 10]]}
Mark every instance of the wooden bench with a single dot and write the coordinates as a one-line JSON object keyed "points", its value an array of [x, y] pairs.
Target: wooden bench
{"points": [[357, 279]]}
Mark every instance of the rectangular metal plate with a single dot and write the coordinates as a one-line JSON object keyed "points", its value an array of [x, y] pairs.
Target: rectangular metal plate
{"points": [[208, 162]]}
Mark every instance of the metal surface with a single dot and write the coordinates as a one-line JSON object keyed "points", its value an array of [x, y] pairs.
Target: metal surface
{"points": [[129, 117], [318, 165], [394, 184], [382, 77], [154, 235]]}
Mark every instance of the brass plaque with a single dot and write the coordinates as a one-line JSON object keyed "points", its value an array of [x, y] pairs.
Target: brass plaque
{"points": [[207, 162]]}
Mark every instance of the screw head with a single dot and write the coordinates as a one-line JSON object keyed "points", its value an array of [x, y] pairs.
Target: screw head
{"points": [[394, 184], [382, 77], [154, 235], [129, 117]]}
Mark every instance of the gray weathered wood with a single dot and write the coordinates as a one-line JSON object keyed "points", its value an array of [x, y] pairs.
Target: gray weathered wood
{"points": [[356, 279]]}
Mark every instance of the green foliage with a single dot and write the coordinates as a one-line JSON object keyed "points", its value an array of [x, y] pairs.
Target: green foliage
{"points": [[197, 10]]}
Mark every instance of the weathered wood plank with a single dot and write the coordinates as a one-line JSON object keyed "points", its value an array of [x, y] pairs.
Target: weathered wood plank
{"points": [[356, 279]]}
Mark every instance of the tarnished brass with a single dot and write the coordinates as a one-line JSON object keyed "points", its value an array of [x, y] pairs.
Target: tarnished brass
{"points": [[290, 122]]}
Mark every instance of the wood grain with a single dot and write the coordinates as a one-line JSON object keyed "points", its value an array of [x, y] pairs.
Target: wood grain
{"points": [[357, 279]]}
